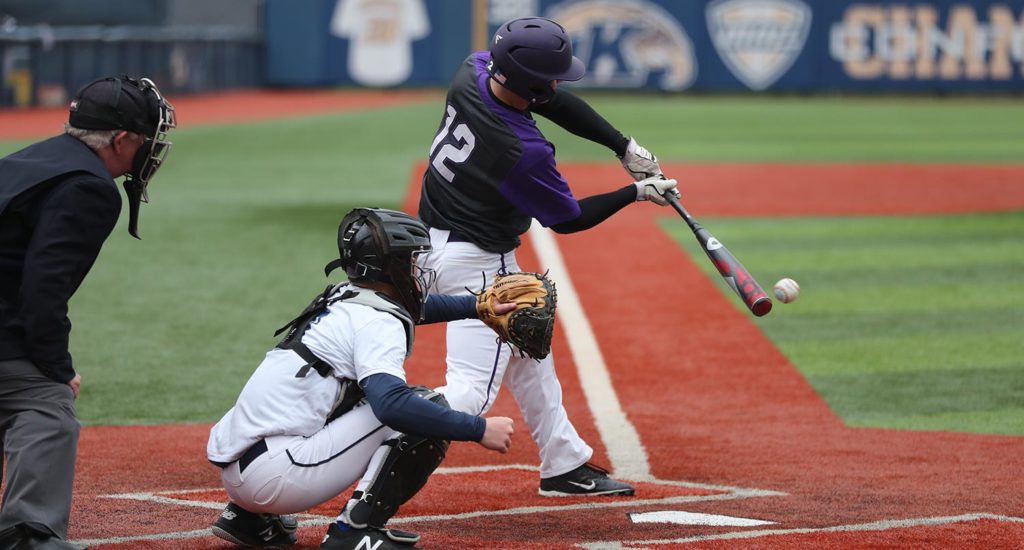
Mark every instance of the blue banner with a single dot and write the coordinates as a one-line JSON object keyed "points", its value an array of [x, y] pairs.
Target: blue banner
{"points": [[708, 45]]}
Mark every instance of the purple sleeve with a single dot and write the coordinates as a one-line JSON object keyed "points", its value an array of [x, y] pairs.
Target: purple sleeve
{"points": [[537, 189]]}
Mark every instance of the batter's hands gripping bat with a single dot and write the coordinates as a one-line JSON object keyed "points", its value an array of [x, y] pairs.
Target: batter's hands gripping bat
{"points": [[728, 266]]}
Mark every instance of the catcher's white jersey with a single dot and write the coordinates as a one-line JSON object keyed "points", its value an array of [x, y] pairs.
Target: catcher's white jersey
{"points": [[355, 340]]}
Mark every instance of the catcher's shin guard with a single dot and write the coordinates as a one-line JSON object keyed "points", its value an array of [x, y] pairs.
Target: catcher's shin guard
{"points": [[398, 470]]}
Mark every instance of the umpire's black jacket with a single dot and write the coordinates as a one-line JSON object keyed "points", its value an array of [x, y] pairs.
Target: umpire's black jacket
{"points": [[58, 203]]}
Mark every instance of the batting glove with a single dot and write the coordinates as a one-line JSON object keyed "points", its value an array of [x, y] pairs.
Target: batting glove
{"points": [[639, 162], [654, 190]]}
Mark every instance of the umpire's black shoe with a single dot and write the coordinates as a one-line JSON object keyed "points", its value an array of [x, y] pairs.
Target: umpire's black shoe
{"points": [[587, 480], [246, 528], [377, 539], [20, 538], [31, 542]]}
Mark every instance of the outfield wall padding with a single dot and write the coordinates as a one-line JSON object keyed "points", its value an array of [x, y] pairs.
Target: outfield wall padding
{"points": [[668, 45]]}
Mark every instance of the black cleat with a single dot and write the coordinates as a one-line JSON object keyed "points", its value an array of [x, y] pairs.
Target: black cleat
{"points": [[587, 480], [246, 528], [20, 537], [371, 537]]}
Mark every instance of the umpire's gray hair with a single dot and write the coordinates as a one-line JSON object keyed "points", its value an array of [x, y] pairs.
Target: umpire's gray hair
{"points": [[94, 139]]}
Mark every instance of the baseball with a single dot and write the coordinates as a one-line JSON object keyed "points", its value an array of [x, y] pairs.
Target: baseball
{"points": [[787, 290]]}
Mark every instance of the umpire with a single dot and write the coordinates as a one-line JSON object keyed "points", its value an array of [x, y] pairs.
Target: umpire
{"points": [[58, 204]]}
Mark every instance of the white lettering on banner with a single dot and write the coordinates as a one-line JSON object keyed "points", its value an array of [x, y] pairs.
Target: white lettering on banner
{"points": [[627, 43], [758, 39], [905, 42]]}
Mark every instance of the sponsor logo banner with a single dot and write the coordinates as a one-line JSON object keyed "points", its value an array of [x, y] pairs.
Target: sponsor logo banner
{"points": [[628, 44], [758, 39], [928, 41]]}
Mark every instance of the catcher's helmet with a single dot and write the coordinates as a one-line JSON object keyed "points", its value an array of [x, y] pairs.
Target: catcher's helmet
{"points": [[528, 53], [382, 245]]}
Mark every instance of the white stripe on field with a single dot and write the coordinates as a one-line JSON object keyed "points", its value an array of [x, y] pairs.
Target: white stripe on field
{"points": [[308, 520], [625, 451], [883, 525]]}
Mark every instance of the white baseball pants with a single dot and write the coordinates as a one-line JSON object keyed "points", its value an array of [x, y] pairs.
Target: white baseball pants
{"points": [[478, 364], [297, 473]]}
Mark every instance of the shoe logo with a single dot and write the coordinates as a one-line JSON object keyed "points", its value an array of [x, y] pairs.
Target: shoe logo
{"points": [[268, 533], [368, 544], [228, 515], [589, 486]]}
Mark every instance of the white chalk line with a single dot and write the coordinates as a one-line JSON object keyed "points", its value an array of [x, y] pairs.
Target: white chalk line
{"points": [[626, 452], [882, 525], [311, 520]]}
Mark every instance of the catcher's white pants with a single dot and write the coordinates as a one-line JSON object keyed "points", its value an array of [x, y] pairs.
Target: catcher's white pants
{"points": [[297, 473], [478, 364]]}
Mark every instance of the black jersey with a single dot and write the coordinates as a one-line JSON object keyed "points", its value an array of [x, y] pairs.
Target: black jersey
{"points": [[490, 169]]}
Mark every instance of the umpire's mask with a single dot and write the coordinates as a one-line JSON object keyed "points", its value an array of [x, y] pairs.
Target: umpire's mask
{"points": [[136, 106]]}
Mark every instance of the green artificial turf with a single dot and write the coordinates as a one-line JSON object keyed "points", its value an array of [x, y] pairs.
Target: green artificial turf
{"points": [[905, 322]]}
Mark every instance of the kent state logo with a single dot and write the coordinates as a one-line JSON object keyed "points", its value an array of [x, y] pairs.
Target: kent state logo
{"points": [[758, 39], [628, 44]]}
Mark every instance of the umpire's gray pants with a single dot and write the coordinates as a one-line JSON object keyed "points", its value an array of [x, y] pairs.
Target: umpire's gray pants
{"points": [[39, 438]]}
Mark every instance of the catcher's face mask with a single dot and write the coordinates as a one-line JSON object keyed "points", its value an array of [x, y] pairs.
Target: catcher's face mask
{"points": [[412, 282], [423, 278]]}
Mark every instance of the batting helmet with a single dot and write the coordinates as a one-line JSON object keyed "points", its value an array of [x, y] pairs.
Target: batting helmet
{"points": [[382, 245], [528, 53]]}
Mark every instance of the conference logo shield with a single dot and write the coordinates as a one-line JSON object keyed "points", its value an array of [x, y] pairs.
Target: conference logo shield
{"points": [[758, 39]]}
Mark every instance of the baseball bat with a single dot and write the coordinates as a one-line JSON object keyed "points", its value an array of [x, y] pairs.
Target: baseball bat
{"points": [[728, 266]]}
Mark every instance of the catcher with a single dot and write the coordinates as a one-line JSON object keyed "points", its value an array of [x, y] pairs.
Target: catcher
{"points": [[330, 404]]}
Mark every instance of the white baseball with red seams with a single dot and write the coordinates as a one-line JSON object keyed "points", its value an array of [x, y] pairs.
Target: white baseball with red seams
{"points": [[787, 290]]}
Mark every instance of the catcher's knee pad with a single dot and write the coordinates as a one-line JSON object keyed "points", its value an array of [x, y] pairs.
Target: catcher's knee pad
{"points": [[398, 473]]}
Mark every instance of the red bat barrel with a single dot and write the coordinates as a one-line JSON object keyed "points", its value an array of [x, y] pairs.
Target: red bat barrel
{"points": [[739, 279], [733, 272]]}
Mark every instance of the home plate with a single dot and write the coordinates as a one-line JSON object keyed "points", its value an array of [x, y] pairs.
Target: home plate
{"points": [[691, 518]]}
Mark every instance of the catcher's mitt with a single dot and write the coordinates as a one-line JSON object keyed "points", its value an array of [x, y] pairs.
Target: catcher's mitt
{"points": [[529, 327]]}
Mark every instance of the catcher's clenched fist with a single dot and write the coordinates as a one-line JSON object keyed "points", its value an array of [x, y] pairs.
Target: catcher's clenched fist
{"points": [[530, 326]]}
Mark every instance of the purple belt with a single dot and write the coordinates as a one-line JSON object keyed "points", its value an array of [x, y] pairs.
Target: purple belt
{"points": [[456, 237]]}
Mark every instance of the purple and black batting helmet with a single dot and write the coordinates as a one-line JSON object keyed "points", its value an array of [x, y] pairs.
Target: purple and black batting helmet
{"points": [[528, 53]]}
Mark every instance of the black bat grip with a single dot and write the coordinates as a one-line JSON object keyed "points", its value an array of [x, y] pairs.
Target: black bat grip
{"points": [[673, 200]]}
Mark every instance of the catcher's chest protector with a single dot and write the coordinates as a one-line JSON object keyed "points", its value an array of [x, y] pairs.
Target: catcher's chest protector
{"points": [[382, 303], [351, 394], [348, 293]]}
